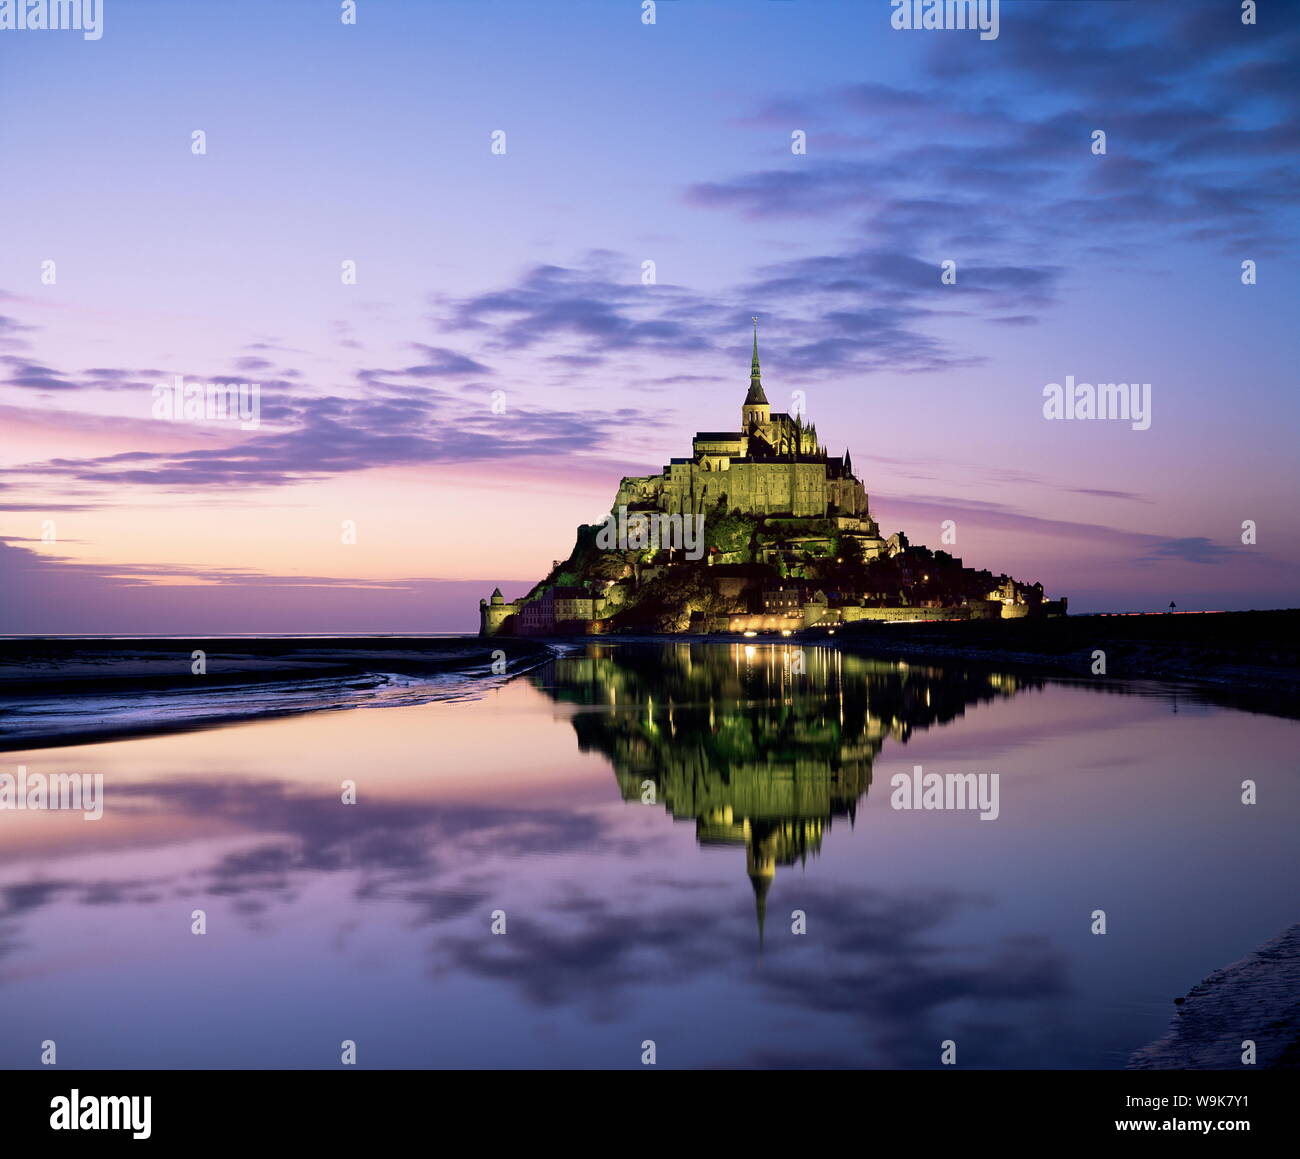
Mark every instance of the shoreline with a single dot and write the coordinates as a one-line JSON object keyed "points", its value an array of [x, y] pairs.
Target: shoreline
{"points": [[64, 690], [1245, 660], [1247, 696], [1256, 998], [56, 692]]}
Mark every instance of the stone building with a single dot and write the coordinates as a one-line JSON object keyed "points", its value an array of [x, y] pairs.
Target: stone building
{"points": [[772, 465], [557, 605]]}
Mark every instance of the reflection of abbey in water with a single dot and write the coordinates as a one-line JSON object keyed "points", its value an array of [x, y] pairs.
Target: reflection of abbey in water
{"points": [[762, 745]]}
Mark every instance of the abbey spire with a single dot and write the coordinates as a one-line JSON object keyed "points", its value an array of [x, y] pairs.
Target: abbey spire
{"points": [[755, 408]]}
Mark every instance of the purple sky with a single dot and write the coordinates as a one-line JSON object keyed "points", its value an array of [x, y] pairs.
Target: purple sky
{"points": [[521, 273]]}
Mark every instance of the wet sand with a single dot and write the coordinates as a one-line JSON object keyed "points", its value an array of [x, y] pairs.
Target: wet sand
{"points": [[54, 691], [1256, 999]]}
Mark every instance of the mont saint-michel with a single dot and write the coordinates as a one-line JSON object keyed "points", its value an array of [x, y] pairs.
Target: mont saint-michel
{"points": [[760, 529]]}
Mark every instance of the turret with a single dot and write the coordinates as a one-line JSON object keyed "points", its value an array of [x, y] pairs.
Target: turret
{"points": [[493, 615]]}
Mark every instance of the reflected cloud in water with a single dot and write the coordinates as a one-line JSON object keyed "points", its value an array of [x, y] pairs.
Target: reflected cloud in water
{"points": [[610, 803]]}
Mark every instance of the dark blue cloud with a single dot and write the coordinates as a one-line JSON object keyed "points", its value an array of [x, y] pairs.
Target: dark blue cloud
{"points": [[337, 435], [1191, 549], [986, 160]]}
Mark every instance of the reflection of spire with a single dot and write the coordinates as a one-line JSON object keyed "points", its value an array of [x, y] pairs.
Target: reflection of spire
{"points": [[761, 886], [760, 864], [762, 882]]}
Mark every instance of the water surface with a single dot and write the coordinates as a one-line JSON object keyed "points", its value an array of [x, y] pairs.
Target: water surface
{"points": [[651, 820]]}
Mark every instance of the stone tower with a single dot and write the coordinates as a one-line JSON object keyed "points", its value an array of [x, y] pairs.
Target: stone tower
{"points": [[493, 614]]}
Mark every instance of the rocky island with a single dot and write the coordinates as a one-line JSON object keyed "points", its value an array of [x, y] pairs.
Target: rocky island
{"points": [[759, 530]]}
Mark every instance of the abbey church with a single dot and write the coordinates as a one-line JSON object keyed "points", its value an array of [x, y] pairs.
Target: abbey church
{"points": [[789, 543], [771, 465]]}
